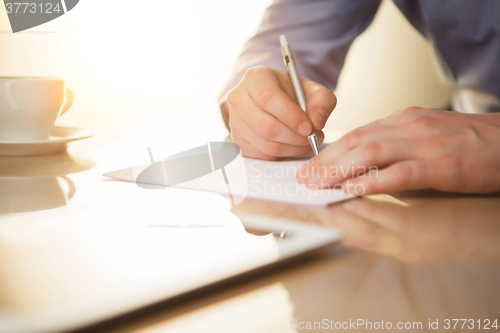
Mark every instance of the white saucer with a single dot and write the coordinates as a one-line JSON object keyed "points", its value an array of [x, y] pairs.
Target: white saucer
{"points": [[57, 142]]}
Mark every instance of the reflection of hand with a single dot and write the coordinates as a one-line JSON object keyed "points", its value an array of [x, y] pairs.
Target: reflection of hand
{"points": [[429, 230], [415, 149], [273, 210], [265, 119]]}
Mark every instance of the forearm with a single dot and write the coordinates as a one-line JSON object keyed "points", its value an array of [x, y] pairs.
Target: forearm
{"points": [[320, 31]]}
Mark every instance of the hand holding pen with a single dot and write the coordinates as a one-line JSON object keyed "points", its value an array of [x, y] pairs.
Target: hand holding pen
{"points": [[297, 87], [265, 119]]}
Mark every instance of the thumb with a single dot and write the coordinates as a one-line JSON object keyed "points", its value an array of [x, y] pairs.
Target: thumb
{"points": [[320, 102]]}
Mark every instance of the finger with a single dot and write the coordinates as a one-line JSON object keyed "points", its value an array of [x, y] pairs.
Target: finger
{"points": [[416, 220], [357, 231], [263, 123], [355, 138], [247, 139], [247, 149], [328, 156], [270, 97], [320, 102], [250, 152], [272, 148], [406, 175], [358, 162], [392, 216], [268, 126], [266, 208], [298, 213]]}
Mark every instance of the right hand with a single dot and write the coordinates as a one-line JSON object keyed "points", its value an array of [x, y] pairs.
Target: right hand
{"points": [[265, 120]]}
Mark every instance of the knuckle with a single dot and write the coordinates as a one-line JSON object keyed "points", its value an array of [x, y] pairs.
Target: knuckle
{"points": [[410, 110], [293, 117], [233, 100], [263, 96], [266, 129], [370, 149], [251, 71], [471, 134], [403, 115], [420, 122], [255, 71], [272, 148], [259, 69], [352, 138]]}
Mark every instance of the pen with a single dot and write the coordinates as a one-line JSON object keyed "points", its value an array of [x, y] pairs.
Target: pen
{"points": [[297, 86]]}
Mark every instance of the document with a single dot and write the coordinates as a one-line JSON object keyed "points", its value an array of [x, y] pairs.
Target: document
{"points": [[243, 177]]}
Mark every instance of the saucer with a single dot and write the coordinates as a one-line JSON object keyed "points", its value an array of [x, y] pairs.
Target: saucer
{"points": [[60, 136]]}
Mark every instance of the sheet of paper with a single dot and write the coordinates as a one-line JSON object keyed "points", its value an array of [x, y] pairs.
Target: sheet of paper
{"points": [[266, 180]]}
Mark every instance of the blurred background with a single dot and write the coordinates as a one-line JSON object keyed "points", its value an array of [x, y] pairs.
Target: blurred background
{"points": [[141, 59]]}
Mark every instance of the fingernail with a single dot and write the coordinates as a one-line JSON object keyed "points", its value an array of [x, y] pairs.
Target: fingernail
{"points": [[305, 128], [320, 115], [316, 181], [301, 175]]}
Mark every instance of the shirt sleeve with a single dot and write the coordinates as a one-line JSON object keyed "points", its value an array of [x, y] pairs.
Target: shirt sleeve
{"points": [[320, 33]]}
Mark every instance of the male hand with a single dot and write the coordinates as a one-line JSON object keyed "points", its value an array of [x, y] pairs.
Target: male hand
{"points": [[413, 149], [423, 229], [265, 119]]}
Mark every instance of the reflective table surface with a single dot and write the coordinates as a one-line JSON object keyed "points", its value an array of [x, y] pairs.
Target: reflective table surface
{"points": [[411, 260], [418, 258]]}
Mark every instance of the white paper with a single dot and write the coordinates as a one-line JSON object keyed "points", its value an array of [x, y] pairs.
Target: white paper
{"points": [[257, 179]]}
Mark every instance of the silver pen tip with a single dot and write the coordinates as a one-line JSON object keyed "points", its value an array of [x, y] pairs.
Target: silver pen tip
{"points": [[313, 140]]}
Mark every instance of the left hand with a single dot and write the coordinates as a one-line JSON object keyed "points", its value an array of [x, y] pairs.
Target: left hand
{"points": [[415, 148]]}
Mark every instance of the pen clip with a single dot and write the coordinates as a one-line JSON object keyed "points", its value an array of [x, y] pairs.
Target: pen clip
{"points": [[287, 55], [286, 59]]}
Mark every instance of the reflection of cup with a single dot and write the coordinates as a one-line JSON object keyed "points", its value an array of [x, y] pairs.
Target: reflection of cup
{"points": [[29, 107], [34, 193]]}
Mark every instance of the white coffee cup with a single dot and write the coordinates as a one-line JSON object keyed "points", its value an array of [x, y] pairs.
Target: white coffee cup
{"points": [[29, 107]]}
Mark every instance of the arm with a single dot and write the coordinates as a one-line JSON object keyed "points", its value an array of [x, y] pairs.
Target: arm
{"points": [[320, 32]]}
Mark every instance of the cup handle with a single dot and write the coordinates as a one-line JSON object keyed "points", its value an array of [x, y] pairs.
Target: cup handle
{"points": [[69, 101], [72, 188]]}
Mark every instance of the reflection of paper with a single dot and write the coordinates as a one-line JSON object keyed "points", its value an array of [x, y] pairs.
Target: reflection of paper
{"points": [[265, 180]]}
